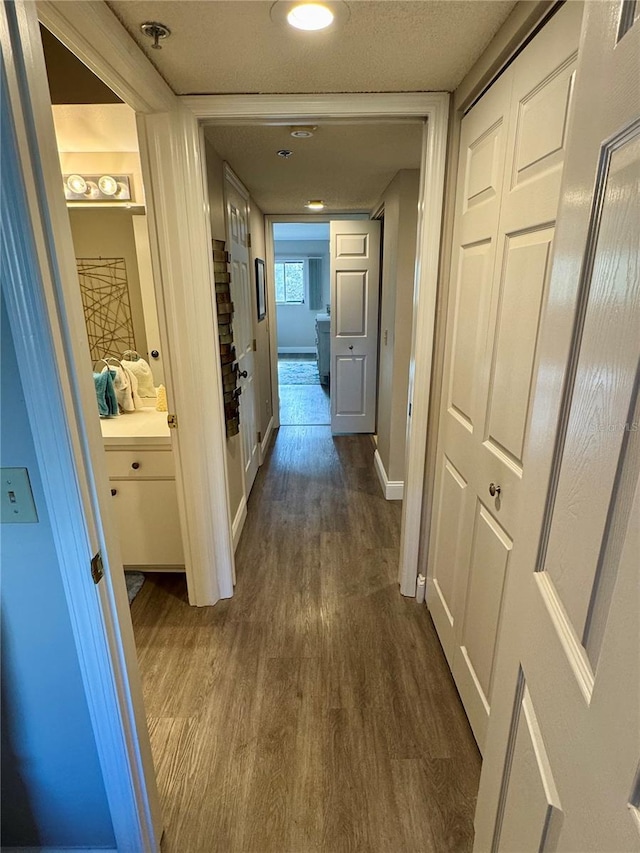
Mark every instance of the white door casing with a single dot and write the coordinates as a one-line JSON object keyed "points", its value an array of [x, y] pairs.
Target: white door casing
{"points": [[237, 217], [510, 168], [355, 293], [562, 761]]}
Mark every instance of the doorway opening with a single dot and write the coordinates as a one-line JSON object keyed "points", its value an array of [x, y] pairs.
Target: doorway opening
{"points": [[303, 306], [99, 156]]}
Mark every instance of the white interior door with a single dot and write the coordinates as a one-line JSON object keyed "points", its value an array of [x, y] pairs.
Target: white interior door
{"points": [[510, 169], [237, 211], [355, 293], [562, 764]]}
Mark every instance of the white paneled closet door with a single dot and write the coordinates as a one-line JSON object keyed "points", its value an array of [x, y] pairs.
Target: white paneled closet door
{"points": [[562, 760], [510, 169]]}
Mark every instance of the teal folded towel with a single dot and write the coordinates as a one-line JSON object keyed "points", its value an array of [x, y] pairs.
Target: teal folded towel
{"points": [[106, 394]]}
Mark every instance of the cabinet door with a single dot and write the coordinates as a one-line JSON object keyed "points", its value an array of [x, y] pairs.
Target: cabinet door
{"points": [[147, 518]]}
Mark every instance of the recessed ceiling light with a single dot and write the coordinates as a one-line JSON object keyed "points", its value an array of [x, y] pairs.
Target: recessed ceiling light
{"points": [[303, 132], [315, 204], [310, 16]]}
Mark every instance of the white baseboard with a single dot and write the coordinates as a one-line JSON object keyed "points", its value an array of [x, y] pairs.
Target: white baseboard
{"points": [[285, 350], [264, 444], [393, 490], [238, 522]]}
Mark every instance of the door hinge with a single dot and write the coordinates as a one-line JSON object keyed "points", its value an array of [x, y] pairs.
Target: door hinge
{"points": [[172, 421], [259, 438], [409, 409], [255, 345], [249, 240], [97, 569]]}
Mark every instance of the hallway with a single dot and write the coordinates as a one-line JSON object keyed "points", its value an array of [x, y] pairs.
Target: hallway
{"points": [[314, 711]]}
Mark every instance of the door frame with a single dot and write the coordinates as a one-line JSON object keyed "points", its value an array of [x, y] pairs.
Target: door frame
{"points": [[272, 317], [433, 109]]}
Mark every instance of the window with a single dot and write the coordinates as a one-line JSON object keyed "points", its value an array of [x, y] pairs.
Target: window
{"points": [[290, 282]]}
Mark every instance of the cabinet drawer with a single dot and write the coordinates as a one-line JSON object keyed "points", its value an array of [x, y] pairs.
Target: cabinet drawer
{"points": [[140, 463], [147, 521]]}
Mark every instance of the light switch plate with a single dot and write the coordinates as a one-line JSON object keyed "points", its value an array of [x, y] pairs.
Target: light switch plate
{"points": [[17, 498]]}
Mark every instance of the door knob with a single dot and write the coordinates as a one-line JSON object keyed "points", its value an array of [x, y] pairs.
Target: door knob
{"points": [[350, 346], [494, 490], [135, 465], [114, 492], [243, 373], [155, 353]]}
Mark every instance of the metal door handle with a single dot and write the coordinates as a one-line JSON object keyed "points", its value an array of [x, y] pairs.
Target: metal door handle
{"points": [[494, 490], [243, 373]]}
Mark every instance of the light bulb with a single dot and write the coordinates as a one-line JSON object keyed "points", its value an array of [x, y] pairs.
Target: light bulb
{"points": [[310, 16], [77, 184], [315, 205]]}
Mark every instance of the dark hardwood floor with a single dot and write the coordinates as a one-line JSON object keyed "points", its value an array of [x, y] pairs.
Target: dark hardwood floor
{"points": [[314, 711], [303, 405]]}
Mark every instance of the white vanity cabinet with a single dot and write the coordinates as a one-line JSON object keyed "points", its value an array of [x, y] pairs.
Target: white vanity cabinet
{"points": [[143, 491], [323, 346]]}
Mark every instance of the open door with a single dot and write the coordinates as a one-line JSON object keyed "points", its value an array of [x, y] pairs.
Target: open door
{"points": [[561, 768], [355, 290]]}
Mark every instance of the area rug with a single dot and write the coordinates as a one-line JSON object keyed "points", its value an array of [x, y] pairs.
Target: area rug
{"points": [[298, 372], [134, 583]]}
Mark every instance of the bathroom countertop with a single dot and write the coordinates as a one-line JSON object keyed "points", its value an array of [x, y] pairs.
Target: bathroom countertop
{"points": [[144, 426]]}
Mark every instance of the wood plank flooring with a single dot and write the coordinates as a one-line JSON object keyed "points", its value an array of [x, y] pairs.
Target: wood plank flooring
{"points": [[304, 405], [314, 711]]}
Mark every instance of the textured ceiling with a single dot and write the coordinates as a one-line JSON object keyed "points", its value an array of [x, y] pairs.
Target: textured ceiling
{"points": [[346, 165], [385, 46]]}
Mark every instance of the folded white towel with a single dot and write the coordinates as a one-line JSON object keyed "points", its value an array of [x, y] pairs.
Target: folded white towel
{"points": [[143, 374]]}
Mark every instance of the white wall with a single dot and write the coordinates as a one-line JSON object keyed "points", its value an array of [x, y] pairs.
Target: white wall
{"points": [[52, 788], [297, 323], [396, 315]]}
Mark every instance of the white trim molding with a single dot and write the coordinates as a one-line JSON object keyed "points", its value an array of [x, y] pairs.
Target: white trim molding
{"points": [[238, 522], [264, 444], [255, 109], [393, 490]]}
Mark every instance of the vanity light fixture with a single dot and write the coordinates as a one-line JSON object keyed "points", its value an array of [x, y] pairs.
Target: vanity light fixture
{"points": [[310, 16], [93, 188], [315, 204]]}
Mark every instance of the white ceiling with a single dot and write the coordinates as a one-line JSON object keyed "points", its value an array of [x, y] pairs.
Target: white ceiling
{"points": [[217, 46], [346, 165]]}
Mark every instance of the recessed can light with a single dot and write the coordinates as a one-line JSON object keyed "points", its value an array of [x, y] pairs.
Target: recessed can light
{"points": [[315, 204], [318, 16], [310, 16], [303, 132]]}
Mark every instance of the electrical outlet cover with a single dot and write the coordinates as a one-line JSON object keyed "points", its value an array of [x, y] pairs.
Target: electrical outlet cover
{"points": [[18, 506]]}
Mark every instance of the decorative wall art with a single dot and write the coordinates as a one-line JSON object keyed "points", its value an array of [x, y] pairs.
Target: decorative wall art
{"points": [[261, 291], [107, 307]]}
